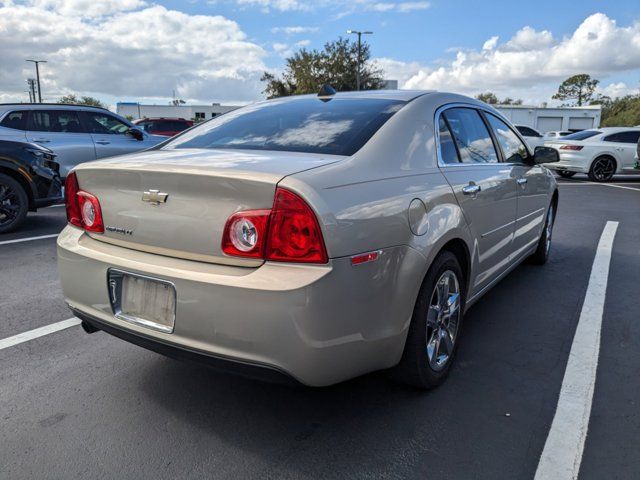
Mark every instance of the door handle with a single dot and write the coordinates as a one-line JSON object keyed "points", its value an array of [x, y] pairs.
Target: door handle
{"points": [[41, 140], [521, 181], [471, 189], [103, 142]]}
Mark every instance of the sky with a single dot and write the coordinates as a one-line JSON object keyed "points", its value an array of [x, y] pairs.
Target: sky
{"points": [[216, 50]]}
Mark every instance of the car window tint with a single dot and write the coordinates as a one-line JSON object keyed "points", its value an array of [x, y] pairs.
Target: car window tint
{"points": [[527, 132], [471, 136], [623, 137], [16, 120], [583, 135], [58, 121], [339, 126], [512, 147], [103, 123], [448, 151]]}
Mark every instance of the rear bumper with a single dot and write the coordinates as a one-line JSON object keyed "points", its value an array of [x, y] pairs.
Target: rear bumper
{"points": [[318, 324], [246, 369], [571, 163]]}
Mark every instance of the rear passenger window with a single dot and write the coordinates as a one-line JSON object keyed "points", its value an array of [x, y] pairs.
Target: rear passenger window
{"points": [[15, 120], [624, 137], [448, 151], [59, 121], [512, 147], [471, 136]]}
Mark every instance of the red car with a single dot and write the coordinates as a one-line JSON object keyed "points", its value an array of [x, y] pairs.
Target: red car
{"points": [[167, 127]]}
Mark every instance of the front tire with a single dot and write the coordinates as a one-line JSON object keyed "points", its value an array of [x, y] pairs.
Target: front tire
{"points": [[436, 325], [541, 255], [602, 169], [14, 204], [566, 173]]}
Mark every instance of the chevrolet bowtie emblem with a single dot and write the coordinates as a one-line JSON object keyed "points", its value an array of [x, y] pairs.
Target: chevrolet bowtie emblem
{"points": [[155, 197]]}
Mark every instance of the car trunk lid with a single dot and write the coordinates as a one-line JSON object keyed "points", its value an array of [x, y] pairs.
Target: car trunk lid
{"points": [[176, 202]]}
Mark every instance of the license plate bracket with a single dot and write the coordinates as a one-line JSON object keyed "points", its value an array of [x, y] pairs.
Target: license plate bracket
{"points": [[142, 300]]}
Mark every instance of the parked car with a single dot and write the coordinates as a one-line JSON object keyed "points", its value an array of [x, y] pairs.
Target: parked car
{"points": [[167, 127], [533, 137], [320, 237], [29, 179], [557, 134], [600, 153], [76, 133]]}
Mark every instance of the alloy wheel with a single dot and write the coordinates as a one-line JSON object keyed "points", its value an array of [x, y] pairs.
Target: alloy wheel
{"points": [[549, 228], [443, 320], [9, 205], [603, 169]]}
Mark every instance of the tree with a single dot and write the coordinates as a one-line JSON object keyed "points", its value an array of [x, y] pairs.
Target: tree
{"points": [[492, 99], [91, 101], [621, 112], [336, 64], [578, 87], [488, 97]]}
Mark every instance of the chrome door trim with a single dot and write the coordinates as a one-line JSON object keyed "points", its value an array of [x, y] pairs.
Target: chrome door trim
{"points": [[486, 234]]}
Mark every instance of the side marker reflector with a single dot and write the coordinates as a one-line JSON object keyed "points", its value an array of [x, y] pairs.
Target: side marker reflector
{"points": [[365, 257]]}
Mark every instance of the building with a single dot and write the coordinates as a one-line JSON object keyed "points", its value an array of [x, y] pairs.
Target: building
{"points": [[545, 119], [136, 110]]}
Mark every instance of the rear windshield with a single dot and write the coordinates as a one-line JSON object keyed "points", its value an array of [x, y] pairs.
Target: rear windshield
{"points": [[339, 126], [583, 135]]}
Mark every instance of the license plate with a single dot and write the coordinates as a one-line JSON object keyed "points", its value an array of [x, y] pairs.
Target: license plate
{"points": [[145, 301]]}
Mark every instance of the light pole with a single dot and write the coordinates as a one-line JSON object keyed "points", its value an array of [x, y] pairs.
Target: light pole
{"points": [[356, 32], [37, 62]]}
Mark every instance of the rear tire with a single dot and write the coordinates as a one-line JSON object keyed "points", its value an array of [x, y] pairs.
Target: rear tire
{"points": [[14, 204], [436, 325], [602, 169], [541, 255], [566, 173]]}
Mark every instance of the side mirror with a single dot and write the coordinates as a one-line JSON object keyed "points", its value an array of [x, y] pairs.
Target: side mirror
{"points": [[545, 155], [135, 133]]}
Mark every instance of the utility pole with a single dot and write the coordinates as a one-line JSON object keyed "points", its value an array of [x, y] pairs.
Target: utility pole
{"points": [[37, 62], [359, 53], [32, 89]]}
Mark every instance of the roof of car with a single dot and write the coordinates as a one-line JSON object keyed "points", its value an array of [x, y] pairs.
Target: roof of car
{"points": [[162, 118], [33, 106], [403, 95], [614, 129]]}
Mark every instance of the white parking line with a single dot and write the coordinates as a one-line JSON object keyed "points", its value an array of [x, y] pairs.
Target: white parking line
{"points": [[28, 239], [574, 184], [38, 332], [562, 453]]}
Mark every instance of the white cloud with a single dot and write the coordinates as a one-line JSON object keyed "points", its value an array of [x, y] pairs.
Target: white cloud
{"points": [[345, 8], [532, 62], [617, 89], [127, 51], [303, 43], [88, 8], [294, 30]]}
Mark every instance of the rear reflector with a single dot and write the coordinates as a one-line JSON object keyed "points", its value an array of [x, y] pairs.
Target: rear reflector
{"points": [[364, 258], [571, 147]]}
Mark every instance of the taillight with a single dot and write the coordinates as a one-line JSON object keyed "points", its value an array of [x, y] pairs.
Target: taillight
{"points": [[83, 208], [245, 234], [74, 217], [91, 213], [571, 147], [289, 232]]}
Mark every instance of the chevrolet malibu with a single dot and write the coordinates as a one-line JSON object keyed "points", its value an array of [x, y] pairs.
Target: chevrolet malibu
{"points": [[318, 237]]}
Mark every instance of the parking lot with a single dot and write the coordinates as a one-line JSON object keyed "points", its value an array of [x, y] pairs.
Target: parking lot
{"points": [[92, 406]]}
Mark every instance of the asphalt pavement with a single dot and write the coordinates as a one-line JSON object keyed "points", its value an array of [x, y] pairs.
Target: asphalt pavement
{"points": [[74, 405]]}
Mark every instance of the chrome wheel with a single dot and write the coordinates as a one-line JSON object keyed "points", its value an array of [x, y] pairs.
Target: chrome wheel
{"points": [[549, 229], [443, 320], [9, 205], [603, 169]]}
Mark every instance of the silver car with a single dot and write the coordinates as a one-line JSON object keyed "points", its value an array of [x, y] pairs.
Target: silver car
{"points": [[319, 237], [76, 133]]}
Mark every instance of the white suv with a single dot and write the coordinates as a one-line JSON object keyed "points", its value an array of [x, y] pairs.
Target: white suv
{"points": [[76, 133], [599, 153]]}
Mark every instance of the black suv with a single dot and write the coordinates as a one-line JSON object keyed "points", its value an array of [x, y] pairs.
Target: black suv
{"points": [[29, 179]]}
